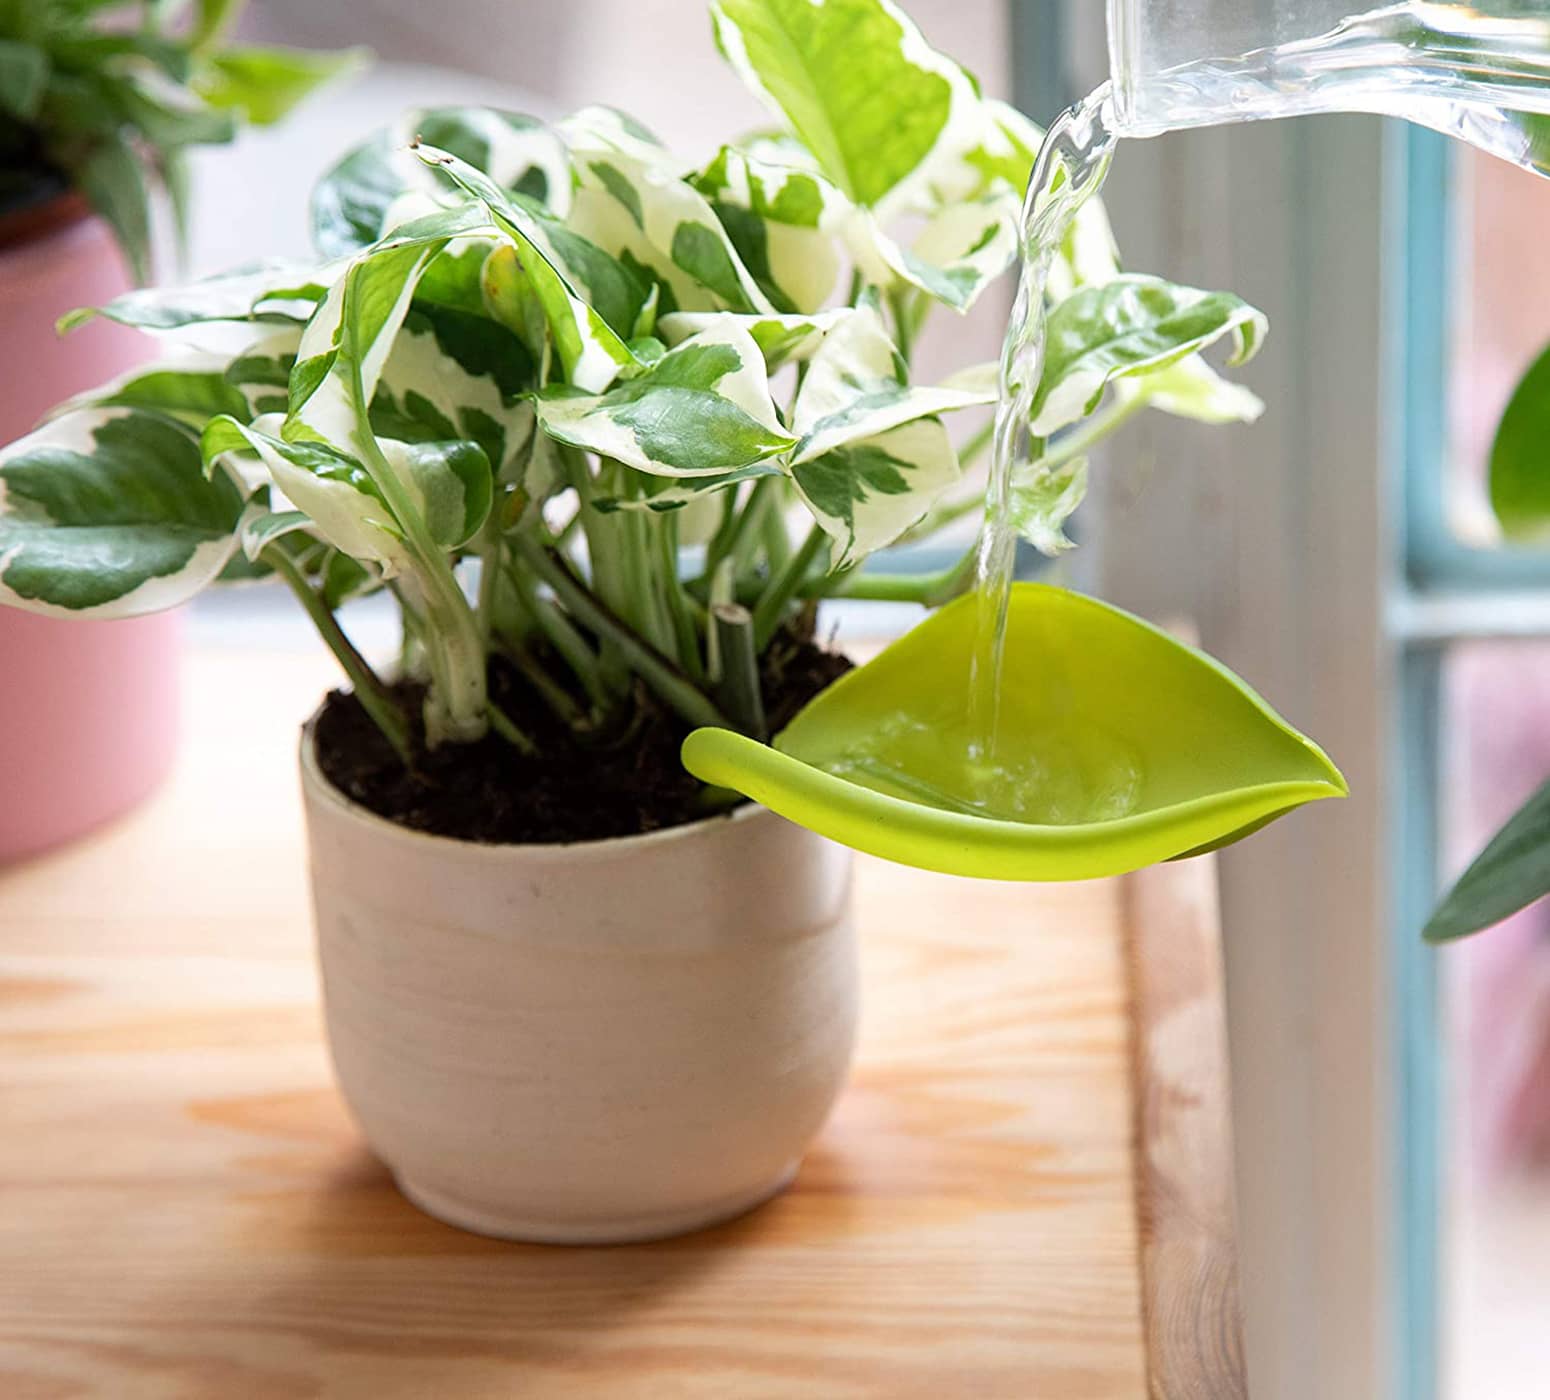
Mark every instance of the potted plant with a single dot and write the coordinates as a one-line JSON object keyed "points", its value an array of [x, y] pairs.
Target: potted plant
{"points": [[607, 426], [89, 107]]}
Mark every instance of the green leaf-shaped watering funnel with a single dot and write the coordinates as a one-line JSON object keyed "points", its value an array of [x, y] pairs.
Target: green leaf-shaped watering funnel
{"points": [[1116, 747]]}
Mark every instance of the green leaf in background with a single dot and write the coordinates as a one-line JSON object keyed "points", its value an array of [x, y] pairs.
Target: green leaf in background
{"points": [[1130, 326], [703, 409], [353, 204], [112, 180], [23, 78], [861, 87], [265, 84], [108, 512], [1511, 873], [1520, 458]]}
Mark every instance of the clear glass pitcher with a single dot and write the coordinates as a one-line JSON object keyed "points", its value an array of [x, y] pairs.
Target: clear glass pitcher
{"points": [[1477, 71]]}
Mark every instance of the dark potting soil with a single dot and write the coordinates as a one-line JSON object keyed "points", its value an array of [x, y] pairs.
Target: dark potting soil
{"points": [[619, 784]]}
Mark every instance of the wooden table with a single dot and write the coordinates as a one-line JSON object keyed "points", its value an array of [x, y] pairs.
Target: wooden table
{"points": [[1025, 1192]]}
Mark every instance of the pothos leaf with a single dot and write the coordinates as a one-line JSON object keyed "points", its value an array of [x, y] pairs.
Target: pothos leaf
{"points": [[959, 253], [274, 291], [1043, 499], [450, 482], [557, 261], [1192, 389], [647, 213], [107, 512], [329, 486], [780, 338], [783, 221], [1130, 326], [703, 409], [351, 204], [868, 491], [856, 387], [858, 83]]}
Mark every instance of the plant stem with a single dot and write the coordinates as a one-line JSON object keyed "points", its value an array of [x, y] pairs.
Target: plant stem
{"points": [[739, 691], [562, 636], [554, 695], [646, 661], [976, 444], [1085, 438], [503, 725], [783, 587], [928, 590], [744, 532], [369, 690], [456, 706], [685, 633]]}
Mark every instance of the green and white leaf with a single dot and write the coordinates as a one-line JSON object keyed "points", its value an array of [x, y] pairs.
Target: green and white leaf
{"points": [[381, 183], [107, 513], [959, 253], [867, 492], [639, 206], [265, 527], [330, 487], [274, 291], [598, 129], [592, 352], [1043, 498], [703, 409], [782, 339], [1131, 326], [190, 388], [444, 380], [1193, 389], [784, 221], [857, 387], [449, 482], [859, 85]]}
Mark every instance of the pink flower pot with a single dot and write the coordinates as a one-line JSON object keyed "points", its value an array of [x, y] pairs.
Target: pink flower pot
{"points": [[88, 709]]}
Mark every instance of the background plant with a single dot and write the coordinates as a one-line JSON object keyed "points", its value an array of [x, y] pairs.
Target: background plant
{"points": [[612, 415], [1513, 871], [95, 93]]}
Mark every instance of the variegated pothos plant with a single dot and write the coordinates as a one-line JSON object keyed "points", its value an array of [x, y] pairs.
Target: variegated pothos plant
{"points": [[566, 353]]}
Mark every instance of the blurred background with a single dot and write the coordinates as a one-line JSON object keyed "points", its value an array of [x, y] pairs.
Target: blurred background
{"points": [[1392, 1102]]}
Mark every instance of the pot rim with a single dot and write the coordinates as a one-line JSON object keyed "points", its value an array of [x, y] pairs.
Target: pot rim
{"points": [[317, 785]]}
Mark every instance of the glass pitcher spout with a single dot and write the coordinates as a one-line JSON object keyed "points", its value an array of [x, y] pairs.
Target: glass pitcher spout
{"points": [[1480, 72]]}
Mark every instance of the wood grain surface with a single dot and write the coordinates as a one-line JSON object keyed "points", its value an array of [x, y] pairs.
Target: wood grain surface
{"points": [[186, 1210]]}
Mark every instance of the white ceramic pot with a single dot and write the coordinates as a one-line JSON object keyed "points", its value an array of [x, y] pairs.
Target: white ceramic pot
{"points": [[584, 1044]]}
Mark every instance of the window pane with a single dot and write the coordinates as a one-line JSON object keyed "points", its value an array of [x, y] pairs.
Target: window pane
{"points": [[1502, 319], [1496, 1240]]}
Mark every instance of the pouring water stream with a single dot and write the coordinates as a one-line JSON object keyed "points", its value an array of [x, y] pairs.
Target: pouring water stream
{"points": [[1071, 167]]}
